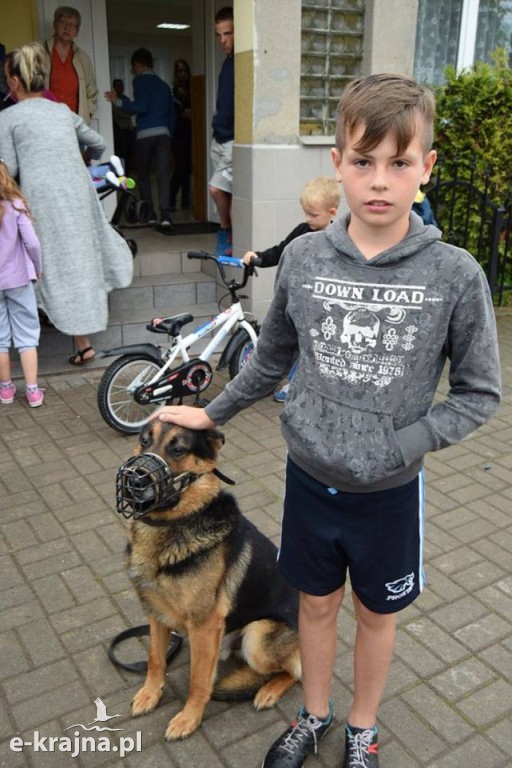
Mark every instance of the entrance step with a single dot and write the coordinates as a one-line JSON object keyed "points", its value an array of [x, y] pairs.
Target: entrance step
{"points": [[165, 283]]}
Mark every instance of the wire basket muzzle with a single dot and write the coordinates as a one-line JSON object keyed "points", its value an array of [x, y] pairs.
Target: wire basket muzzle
{"points": [[143, 483]]}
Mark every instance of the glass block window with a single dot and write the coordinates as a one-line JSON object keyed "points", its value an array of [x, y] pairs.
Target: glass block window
{"points": [[332, 52]]}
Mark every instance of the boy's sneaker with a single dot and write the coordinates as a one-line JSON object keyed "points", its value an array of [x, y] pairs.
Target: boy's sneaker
{"points": [[34, 397], [280, 395], [361, 748], [291, 749], [224, 246], [7, 394]]}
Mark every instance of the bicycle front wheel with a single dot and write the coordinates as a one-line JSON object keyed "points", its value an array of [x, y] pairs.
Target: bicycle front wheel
{"points": [[241, 354], [116, 388]]}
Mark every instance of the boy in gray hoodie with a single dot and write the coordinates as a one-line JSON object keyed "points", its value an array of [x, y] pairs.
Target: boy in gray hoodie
{"points": [[372, 307]]}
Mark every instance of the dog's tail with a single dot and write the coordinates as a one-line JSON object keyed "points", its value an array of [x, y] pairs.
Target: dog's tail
{"points": [[240, 685]]}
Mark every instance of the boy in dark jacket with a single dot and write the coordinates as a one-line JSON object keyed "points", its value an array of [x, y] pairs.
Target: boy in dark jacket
{"points": [[320, 199], [373, 307]]}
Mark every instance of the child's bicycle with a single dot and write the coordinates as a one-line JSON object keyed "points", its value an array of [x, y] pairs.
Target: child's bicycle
{"points": [[145, 378]]}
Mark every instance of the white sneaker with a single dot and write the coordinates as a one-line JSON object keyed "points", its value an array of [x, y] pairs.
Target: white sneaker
{"points": [[117, 165]]}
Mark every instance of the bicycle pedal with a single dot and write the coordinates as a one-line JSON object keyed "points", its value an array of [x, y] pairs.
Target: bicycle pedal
{"points": [[202, 402]]}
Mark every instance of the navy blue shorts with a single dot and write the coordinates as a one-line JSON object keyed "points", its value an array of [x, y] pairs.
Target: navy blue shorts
{"points": [[377, 537]]}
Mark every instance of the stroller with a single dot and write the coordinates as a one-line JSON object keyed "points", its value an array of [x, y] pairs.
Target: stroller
{"points": [[108, 178]]}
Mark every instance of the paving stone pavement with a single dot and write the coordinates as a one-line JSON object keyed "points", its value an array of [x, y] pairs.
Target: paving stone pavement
{"points": [[65, 594]]}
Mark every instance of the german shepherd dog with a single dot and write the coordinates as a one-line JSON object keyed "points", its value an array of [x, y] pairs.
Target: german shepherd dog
{"points": [[201, 568]]}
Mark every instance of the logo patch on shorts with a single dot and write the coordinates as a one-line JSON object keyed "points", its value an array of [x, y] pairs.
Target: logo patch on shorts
{"points": [[401, 587]]}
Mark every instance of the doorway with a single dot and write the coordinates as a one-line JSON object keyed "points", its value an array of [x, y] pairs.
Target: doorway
{"points": [[134, 24]]}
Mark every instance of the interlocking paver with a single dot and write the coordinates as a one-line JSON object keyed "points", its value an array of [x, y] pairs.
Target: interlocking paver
{"points": [[459, 613], [489, 705], [487, 630], [440, 716], [41, 643], [462, 678], [64, 594]]}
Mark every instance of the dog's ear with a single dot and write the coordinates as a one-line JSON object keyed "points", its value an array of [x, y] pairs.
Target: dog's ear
{"points": [[215, 439], [145, 438]]}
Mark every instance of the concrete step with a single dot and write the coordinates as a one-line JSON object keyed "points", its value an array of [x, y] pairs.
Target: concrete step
{"points": [[125, 327], [165, 283], [160, 254], [155, 291]]}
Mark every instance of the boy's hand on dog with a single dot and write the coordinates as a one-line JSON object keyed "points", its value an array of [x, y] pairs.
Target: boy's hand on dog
{"points": [[185, 416]]}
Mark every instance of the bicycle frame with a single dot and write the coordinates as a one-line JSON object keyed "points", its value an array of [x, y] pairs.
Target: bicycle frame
{"points": [[225, 321]]}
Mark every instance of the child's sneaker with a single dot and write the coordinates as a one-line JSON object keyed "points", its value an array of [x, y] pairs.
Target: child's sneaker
{"points": [[280, 395], [34, 397], [361, 748], [291, 749], [7, 394]]}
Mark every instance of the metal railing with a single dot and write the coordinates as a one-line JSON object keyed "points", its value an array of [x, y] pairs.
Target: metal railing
{"points": [[469, 217]]}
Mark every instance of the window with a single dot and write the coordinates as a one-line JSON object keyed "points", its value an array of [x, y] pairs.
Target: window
{"points": [[437, 39], [459, 32], [494, 29], [332, 50]]}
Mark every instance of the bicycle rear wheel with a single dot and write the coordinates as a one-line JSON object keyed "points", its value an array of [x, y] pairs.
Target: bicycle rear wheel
{"points": [[240, 355], [115, 392]]}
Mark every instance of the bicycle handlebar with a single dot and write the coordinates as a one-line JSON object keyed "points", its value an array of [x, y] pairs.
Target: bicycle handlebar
{"points": [[228, 261]]}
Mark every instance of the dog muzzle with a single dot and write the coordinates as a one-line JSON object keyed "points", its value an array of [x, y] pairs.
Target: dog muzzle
{"points": [[145, 483]]}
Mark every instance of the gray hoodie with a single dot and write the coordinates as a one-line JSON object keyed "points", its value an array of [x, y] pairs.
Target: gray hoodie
{"points": [[372, 337]]}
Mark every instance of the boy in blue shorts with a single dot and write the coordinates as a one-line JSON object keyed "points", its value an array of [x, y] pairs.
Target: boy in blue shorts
{"points": [[372, 307]]}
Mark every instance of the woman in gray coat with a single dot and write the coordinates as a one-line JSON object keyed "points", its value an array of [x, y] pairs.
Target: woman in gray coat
{"points": [[83, 257]]}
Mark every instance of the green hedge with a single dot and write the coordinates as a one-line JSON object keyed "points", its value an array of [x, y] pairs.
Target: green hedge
{"points": [[474, 113], [474, 139]]}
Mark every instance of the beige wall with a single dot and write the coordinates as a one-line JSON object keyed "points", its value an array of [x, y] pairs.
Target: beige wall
{"points": [[271, 161], [390, 33], [18, 23]]}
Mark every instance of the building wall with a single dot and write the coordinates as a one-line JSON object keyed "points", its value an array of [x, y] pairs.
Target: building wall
{"points": [[272, 163], [19, 23]]}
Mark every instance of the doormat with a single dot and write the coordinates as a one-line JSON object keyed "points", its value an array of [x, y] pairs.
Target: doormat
{"points": [[189, 228], [179, 228]]}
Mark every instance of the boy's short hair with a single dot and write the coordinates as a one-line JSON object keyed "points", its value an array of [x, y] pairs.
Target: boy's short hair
{"points": [[224, 14], [385, 103], [323, 189], [142, 56]]}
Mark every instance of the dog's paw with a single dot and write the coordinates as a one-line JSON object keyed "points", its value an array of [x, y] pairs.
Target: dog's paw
{"points": [[181, 726], [145, 701], [265, 699]]}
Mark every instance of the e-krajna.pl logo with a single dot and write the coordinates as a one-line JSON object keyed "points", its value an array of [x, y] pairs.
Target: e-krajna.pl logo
{"points": [[79, 744]]}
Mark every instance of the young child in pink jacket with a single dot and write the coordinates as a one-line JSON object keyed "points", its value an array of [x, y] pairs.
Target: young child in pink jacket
{"points": [[20, 266]]}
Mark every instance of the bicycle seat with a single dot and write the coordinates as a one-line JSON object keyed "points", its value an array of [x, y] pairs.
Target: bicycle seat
{"points": [[171, 325]]}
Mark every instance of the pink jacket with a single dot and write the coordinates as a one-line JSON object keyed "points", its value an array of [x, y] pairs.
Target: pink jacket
{"points": [[20, 251]]}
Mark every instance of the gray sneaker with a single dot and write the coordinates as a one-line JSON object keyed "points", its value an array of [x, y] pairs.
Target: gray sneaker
{"points": [[291, 749], [361, 748]]}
